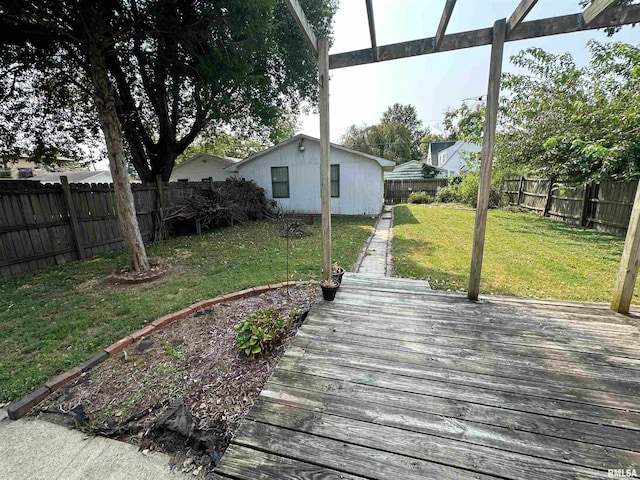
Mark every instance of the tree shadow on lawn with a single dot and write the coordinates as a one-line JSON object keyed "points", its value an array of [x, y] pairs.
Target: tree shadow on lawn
{"points": [[406, 215], [553, 228], [438, 279]]}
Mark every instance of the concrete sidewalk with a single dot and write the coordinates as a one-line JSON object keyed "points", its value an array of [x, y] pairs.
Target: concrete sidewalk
{"points": [[35, 449], [377, 258]]}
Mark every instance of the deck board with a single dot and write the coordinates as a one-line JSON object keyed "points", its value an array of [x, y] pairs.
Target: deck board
{"points": [[392, 380]]}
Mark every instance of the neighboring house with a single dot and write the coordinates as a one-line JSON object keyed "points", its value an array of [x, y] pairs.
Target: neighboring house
{"points": [[453, 159], [202, 166], [290, 173], [434, 149], [101, 176], [24, 167], [412, 170]]}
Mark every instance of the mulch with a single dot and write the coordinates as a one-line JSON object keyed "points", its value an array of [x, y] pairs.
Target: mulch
{"points": [[184, 389]]}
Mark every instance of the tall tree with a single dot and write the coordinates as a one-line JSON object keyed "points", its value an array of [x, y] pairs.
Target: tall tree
{"points": [[406, 115], [161, 71], [179, 68], [397, 137]]}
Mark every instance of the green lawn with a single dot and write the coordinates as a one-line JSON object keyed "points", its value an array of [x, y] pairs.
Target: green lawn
{"points": [[50, 321], [525, 255]]}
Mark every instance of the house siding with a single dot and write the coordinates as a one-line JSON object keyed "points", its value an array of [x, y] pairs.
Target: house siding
{"points": [[361, 180]]}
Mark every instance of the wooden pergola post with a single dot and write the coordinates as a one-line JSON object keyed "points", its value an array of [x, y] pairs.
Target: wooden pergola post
{"points": [[488, 144], [628, 272], [325, 171]]}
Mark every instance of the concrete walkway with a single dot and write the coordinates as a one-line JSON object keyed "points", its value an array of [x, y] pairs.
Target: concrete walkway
{"points": [[377, 257], [35, 449]]}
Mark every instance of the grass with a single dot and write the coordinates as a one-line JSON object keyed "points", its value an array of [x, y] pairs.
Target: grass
{"points": [[525, 255], [50, 321]]}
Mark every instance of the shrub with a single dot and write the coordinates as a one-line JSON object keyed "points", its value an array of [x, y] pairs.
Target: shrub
{"points": [[465, 191], [420, 197], [262, 330], [446, 194]]}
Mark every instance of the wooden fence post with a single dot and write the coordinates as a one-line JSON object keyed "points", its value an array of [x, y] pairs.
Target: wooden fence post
{"points": [[73, 216], [628, 271], [584, 216], [547, 200], [520, 189], [488, 145]]}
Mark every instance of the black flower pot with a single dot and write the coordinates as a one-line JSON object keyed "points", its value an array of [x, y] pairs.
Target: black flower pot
{"points": [[329, 293], [337, 276]]}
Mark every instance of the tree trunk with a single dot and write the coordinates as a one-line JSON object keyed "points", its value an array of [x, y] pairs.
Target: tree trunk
{"points": [[105, 105]]}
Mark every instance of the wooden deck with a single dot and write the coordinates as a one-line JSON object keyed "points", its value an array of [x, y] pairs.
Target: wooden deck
{"points": [[391, 381]]}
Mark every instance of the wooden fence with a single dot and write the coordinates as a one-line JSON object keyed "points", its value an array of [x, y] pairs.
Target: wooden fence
{"points": [[43, 225], [605, 206], [398, 191]]}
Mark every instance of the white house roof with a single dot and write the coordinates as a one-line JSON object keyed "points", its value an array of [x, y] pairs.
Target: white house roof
{"points": [[460, 145], [207, 156], [387, 165], [73, 177]]}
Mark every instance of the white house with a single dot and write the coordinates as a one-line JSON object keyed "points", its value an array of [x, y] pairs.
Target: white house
{"points": [[453, 159], [100, 176], [290, 173], [201, 166]]}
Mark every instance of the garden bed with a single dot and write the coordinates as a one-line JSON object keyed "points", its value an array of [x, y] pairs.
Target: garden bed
{"points": [[184, 389]]}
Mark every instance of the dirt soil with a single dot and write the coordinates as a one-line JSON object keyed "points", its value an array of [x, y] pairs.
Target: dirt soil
{"points": [[182, 390]]}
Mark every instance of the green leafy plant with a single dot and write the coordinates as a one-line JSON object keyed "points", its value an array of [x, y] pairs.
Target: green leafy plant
{"points": [[420, 197], [262, 330]]}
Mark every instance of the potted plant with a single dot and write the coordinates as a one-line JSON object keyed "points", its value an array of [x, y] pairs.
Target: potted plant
{"points": [[337, 272], [329, 289]]}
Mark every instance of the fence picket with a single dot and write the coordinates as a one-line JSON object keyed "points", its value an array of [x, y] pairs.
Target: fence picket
{"points": [[604, 206]]}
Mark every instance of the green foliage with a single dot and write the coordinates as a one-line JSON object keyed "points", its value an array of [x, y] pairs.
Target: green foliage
{"points": [[565, 121], [397, 137], [223, 145], [420, 197], [465, 191], [429, 171], [428, 138], [262, 330], [446, 194], [465, 123], [175, 68]]}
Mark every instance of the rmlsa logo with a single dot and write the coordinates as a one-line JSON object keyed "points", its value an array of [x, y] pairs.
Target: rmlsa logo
{"points": [[623, 473]]}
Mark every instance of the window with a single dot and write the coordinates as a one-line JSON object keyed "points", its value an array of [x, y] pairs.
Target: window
{"points": [[280, 182], [335, 180]]}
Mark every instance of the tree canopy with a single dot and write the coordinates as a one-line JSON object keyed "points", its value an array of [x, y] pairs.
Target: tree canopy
{"points": [[397, 137], [177, 68], [563, 120]]}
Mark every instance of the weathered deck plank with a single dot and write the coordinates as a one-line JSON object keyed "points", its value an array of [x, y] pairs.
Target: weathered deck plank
{"points": [[395, 381]]}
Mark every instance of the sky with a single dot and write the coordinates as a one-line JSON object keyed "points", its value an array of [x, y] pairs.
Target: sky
{"points": [[432, 83]]}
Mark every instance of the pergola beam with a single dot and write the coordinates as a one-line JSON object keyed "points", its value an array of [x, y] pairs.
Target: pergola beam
{"points": [[488, 146], [305, 27], [628, 271], [444, 21], [372, 30], [518, 15], [616, 16], [597, 8]]}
